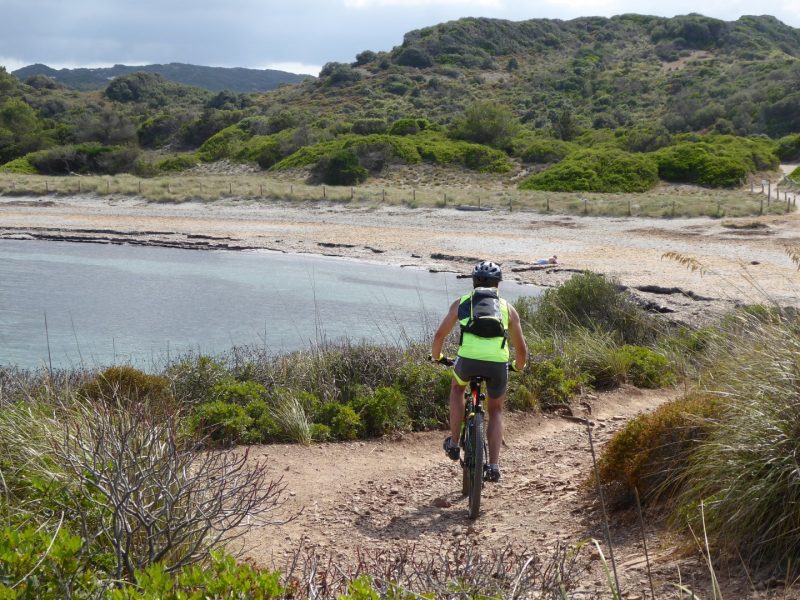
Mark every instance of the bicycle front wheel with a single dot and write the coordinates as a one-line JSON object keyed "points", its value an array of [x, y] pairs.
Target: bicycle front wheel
{"points": [[476, 470]]}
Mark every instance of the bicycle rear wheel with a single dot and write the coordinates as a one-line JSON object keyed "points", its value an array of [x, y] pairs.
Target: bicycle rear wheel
{"points": [[476, 466]]}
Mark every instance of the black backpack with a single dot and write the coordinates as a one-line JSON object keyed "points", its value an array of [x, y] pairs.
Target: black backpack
{"points": [[479, 314]]}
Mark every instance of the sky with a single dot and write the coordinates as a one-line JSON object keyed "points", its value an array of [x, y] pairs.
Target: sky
{"points": [[291, 35]]}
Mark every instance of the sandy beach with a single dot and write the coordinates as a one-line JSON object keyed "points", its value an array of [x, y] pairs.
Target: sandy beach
{"points": [[742, 260]]}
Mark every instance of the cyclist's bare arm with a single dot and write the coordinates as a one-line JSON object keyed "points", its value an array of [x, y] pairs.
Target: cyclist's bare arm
{"points": [[517, 339], [446, 326]]}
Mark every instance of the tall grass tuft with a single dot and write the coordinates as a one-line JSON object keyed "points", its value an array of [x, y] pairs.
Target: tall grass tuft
{"points": [[746, 473]]}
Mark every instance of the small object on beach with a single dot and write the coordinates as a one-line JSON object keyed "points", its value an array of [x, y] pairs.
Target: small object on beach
{"points": [[754, 262]]}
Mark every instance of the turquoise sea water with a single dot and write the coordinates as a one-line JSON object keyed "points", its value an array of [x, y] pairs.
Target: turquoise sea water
{"points": [[107, 304]]}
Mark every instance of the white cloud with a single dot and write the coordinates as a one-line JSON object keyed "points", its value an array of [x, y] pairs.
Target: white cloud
{"points": [[426, 3], [12, 64], [293, 67]]}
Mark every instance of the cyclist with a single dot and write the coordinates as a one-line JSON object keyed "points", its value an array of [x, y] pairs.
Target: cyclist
{"points": [[487, 321]]}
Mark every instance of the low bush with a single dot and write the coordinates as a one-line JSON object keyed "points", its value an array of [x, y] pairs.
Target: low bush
{"points": [[650, 453], [646, 368], [343, 421], [604, 170], [409, 126], [20, 166], [788, 149], [220, 423], [427, 390], [382, 411], [179, 162], [223, 144], [715, 161], [126, 384], [230, 391], [546, 150], [591, 301], [369, 126], [342, 168], [543, 384], [34, 564], [85, 158]]}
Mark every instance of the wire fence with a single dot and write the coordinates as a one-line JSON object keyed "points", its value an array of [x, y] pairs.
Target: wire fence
{"points": [[764, 197]]}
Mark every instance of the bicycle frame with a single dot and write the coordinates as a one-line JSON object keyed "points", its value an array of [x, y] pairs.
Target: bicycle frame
{"points": [[473, 441]]}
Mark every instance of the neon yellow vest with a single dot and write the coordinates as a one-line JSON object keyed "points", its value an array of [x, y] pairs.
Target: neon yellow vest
{"points": [[494, 349]]}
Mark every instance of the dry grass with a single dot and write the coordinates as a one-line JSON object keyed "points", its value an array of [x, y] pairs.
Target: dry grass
{"points": [[457, 189]]}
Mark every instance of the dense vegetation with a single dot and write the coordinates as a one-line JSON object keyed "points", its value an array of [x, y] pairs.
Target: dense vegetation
{"points": [[592, 104]]}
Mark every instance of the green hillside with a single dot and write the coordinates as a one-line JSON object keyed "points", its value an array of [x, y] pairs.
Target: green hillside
{"points": [[591, 104]]}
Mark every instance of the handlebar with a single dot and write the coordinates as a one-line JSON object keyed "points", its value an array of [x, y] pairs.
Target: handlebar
{"points": [[449, 362]]}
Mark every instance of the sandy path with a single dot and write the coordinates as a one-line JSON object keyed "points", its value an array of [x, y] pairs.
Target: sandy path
{"points": [[741, 263], [387, 495]]}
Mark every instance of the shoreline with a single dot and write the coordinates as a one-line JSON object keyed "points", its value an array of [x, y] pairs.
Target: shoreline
{"points": [[742, 259]]}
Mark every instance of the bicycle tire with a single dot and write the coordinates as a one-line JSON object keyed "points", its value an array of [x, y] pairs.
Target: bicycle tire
{"points": [[476, 468]]}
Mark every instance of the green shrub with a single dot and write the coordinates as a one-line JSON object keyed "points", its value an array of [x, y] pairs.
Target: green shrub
{"points": [[223, 144], [427, 390], [20, 166], [595, 353], [408, 126], [34, 564], [194, 378], [90, 157], [220, 423], [590, 301], [543, 384], [488, 123], [179, 162], [715, 161], [546, 150], [647, 368], [789, 148], [435, 148], [369, 126], [343, 421], [126, 384], [237, 392], [222, 577], [606, 170], [795, 174], [320, 432], [382, 411], [342, 168]]}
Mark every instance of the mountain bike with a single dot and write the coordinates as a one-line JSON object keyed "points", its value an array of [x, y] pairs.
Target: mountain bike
{"points": [[473, 441]]}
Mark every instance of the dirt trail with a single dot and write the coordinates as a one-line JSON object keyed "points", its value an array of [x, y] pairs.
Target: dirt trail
{"points": [[387, 494]]}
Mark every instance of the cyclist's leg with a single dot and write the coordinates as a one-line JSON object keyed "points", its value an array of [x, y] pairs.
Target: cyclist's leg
{"points": [[456, 408], [494, 430], [496, 393]]}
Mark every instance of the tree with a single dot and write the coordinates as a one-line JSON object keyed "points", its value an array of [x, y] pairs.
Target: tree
{"points": [[565, 125]]}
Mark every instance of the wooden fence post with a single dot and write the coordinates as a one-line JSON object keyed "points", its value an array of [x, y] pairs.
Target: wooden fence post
{"points": [[324, 193]]}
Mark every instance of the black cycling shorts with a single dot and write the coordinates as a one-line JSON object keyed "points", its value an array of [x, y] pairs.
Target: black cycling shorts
{"points": [[495, 373]]}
